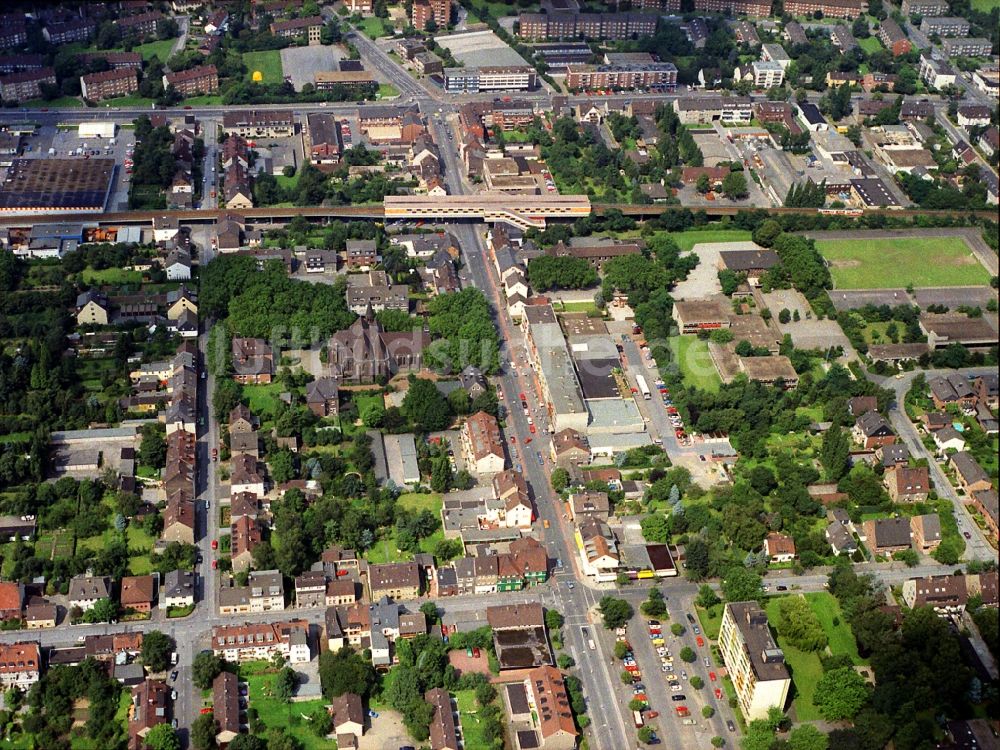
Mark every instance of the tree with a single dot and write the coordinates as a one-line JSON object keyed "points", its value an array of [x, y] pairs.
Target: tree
{"points": [[766, 234], [248, 742], [707, 711], [808, 737], [840, 694], [565, 661], [799, 624], [688, 655], [205, 668], [554, 619], [283, 684], [677, 629], [718, 741], [560, 479], [734, 186], [104, 610], [696, 682], [345, 671], [425, 406], [616, 612], [697, 559], [203, 731], [156, 648], [163, 737], [153, 449], [655, 528], [645, 735], [654, 606], [741, 585], [835, 453]]}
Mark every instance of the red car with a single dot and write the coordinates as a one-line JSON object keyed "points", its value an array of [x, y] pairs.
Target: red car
{"points": [[206, 710], [522, 396], [531, 429], [215, 564], [700, 641], [215, 544], [475, 653], [711, 676], [652, 714], [718, 694]]}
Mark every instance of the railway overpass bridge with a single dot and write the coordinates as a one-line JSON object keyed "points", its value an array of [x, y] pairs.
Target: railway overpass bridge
{"points": [[524, 211]]}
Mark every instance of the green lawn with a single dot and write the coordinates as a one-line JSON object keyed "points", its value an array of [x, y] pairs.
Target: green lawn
{"points": [[384, 550], [870, 45], [418, 501], [156, 49], [687, 240], [374, 27], [62, 102], [691, 355], [805, 669], [263, 399], [472, 729], [827, 609], [711, 620], [112, 276], [267, 62], [205, 100], [896, 263], [290, 717], [387, 91]]}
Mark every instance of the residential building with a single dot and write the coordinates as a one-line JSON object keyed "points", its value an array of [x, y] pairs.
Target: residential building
{"points": [[323, 397], [310, 589], [894, 38], [362, 254], [935, 73], [779, 547], [109, 85], [267, 591], [589, 504], [755, 663], [549, 701], [945, 593], [141, 24], [226, 706], [490, 78], [926, 532], [482, 444], [872, 430], [985, 502], [973, 115], [260, 641], [399, 580], [843, 39], [348, 715], [86, 590], [705, 109], [13, 30], [570, 449], [598, 547], [967, 47], [253, 361], [245, 534], [697, 315], [625, 25], [829, 8], [423, 11], [296, 28], [40, 614], [907, 485], [325, 138], [944, 26], [887, 535], [177, 589], [138, 593], [26, 84], [970, 475], [924, 7], [202, 79], [753, 8], [69, 31], [765, 74], [443, 727], [622, 76], [256, 123], [150, 702], [11, 600]]}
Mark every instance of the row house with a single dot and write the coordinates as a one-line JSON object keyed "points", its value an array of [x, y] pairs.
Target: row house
{"points": [[261, 641], [482, 444]]}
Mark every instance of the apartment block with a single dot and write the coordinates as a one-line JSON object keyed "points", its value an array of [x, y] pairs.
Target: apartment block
{"points": [[261, 641], [109, 85], [622, 76], [203, 79], [945, 26], [755, 663], [970, 47], [310, 27], [426, 10], [500, 78], [829, 8], [757, 8], [26, 84]]}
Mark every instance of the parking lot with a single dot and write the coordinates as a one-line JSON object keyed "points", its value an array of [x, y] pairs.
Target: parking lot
{"points": [[302, 63]]}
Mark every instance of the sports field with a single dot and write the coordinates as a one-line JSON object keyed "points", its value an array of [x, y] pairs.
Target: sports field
{"points": [[267, 62], [898, 262]]}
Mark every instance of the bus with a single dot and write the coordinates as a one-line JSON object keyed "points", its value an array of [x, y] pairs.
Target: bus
{"points": [[641, 381]]}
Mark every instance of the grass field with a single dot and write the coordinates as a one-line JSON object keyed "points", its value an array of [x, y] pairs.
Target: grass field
{"points": [[985, 5], [805, 669], [111, 276], [205, 100], [691, 355], [267, 62], [291, 716], [384, 550], [373, 27], [156, 49], [687, 240], [62, 102], [263, 398], [841, 640], [870, 45], [387, 91], [711, 620], [472, 729], [895, 263]]}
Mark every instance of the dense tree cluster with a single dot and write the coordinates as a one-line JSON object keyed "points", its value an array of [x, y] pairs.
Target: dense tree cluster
{"points": [[467, 336], [550, 272]]}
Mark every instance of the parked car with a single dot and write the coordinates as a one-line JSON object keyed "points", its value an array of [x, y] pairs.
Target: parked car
{"points": [[678, 698]]}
